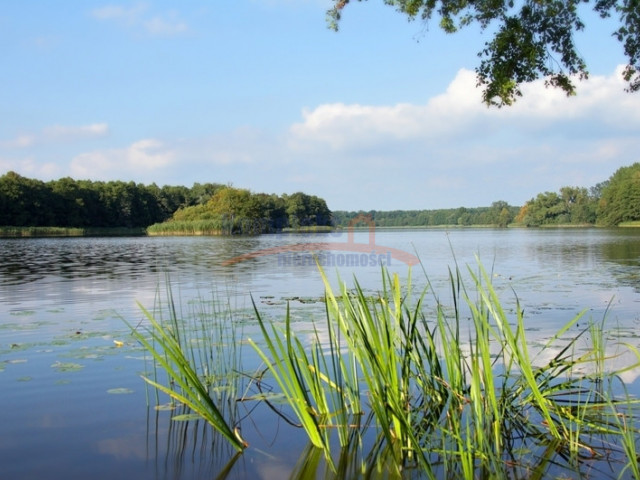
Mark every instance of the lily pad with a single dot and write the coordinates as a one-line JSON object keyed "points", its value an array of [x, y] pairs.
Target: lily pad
{"points": [[67, 367], [119, 391], [275, 398]]}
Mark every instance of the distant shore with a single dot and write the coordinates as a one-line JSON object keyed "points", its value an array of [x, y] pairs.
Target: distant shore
{"points": [[44, 232], [37, 232]]}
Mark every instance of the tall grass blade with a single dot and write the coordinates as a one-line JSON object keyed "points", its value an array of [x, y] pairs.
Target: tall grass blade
{"points": [[168, 353]]}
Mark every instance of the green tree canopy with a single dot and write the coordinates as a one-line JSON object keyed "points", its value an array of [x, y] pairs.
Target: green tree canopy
{"points": [[572, 206], [241, 211], [306, 210], [531, 38], [620, 199]]}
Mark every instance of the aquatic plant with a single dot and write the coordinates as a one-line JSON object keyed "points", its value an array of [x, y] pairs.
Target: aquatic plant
{"points": [[18, 232], [213, 226], [457, 394], [200, 376]]}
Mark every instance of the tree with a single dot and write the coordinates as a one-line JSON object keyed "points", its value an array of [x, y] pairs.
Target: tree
{"points": [[24, 201], [304, 210], [241, 210], [580, 205], [499, 214], [531, 39], [67, 203], [547, 208], [620, 198], [574, 205]]}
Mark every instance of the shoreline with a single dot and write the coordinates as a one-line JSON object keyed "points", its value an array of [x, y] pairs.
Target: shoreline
{"points": [[53, 232]]}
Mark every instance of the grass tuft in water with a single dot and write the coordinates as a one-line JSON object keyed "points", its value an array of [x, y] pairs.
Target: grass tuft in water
{"points": [[459, 393], [198, 377]]}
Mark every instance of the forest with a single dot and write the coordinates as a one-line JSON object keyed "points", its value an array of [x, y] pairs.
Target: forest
{"points": [[214, 208], [613, 202], [609, 203], [70, 203], [499, 214]]}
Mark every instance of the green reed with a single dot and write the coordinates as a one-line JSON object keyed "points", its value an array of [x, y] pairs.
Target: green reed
{"points": [[214, 226], [201, 365], [17, 232], [456, 393]]}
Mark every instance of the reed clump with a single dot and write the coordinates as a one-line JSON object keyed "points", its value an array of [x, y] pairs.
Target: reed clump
{"points": [[200, 361], [36, 232], [459, 393], [187, 227]]}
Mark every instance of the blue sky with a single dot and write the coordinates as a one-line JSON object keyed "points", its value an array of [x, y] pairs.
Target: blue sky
{"points": [[260, 94]]}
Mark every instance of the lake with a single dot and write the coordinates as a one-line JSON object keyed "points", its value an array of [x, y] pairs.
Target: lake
{"points": [[73, 403]]}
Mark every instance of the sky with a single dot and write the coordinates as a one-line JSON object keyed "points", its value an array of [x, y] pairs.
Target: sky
{"points": [[260, 94]]}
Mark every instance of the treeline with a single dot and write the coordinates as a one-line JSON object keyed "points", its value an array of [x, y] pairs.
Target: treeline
{"points": [[571, 206], [66, 202], [609, 203], [499, 214], [220, 209], [70, 203]]}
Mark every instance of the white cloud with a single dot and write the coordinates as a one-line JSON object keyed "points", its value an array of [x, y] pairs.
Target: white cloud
{"points": [[454, 150], [29, 167], [21, 141], [73, 132], [128, 16], [169, 25], [57, 133], [139, 159], [340, 125], [241, 147], [459, 112], [138, 16]]}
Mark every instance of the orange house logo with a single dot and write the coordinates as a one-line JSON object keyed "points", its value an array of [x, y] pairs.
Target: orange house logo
{"points": [[335, 254]]}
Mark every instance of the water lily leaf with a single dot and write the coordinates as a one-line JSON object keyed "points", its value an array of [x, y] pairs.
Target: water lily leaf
{"points": [[279, 398], [119, 391], [67, 367]]}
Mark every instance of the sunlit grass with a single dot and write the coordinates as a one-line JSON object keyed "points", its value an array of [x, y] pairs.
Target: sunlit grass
{"points": [[187, 227]]}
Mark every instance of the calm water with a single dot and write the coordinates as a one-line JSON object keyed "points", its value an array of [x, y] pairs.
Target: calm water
{"points": [[73, 405]]}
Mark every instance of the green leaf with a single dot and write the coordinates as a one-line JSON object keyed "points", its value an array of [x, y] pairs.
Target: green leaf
{"points": [[187, 417]]}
